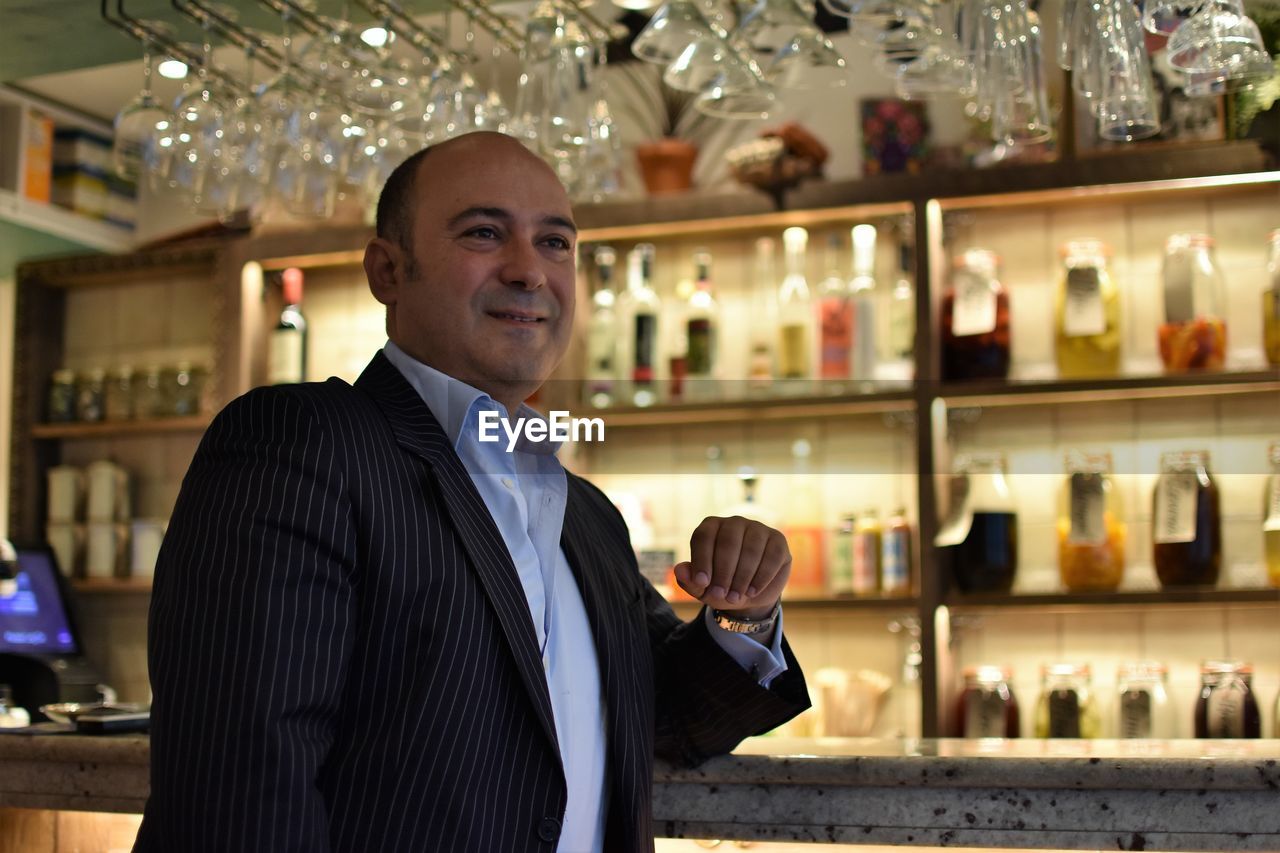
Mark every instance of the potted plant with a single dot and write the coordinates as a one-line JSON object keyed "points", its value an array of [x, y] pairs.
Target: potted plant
{"points": [[666, 164]]}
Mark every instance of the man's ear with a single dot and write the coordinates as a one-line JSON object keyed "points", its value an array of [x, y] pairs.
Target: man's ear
{"points": [[381, 260]]}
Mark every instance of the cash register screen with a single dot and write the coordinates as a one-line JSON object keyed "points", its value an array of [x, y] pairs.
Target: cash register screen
{"points": [[33, 616]]}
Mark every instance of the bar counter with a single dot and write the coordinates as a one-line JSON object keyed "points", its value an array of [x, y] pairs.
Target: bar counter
{"points": [[1127, 795]]}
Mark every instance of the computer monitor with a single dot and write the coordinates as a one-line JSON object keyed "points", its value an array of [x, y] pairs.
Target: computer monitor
{"points": [[34, 618]]}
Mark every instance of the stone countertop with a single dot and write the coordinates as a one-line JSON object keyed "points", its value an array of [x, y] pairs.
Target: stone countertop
{"points": [[1128, 795]]}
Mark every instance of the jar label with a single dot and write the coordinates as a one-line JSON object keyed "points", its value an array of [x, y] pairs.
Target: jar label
{"points": [[1226, 709], [1272, 522], [1083, 311], [974, 309], [984, 713], [1135, 714], [1064, 714], [1088, 510], [1175, 517]]}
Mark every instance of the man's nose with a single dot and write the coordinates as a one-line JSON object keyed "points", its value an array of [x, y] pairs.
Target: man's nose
{"points": [[522, 266]]}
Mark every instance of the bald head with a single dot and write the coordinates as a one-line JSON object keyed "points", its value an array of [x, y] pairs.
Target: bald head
{"points": [[396, 203]]}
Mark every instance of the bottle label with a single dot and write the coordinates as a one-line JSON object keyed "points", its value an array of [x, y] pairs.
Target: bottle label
{"points": [[895, 558], [1175, 516], [984, 714], [794, 352], [701, 338], [902, 327], [863, 351], [1226, 708], [837, 337], [1088, 510], [1135, 714], [602, 350], [842, 563], [865, 562], [286, 357], [1084, 312], [1272, 522], [974, 309], [646, 345], [1064, 714]]}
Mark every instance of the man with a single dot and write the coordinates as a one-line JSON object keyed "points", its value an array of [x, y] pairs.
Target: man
{"points": [[370, 631]]}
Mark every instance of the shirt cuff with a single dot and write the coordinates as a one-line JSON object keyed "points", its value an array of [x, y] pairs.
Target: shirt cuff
{"points": [[765, 663]]}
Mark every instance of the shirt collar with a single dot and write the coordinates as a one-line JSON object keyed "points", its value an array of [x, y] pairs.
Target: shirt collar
{"points": [[452, 401]]}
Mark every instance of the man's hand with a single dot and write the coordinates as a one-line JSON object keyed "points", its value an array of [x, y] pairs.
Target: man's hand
{"points": [[736, 564]]}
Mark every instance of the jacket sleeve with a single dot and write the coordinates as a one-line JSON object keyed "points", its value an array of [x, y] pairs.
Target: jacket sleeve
{"points": [[250, 632]]}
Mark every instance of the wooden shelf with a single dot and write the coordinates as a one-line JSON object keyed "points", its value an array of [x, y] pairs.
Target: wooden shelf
{"points": [[899, 399], [1033, 393], [111, 585], [67, 224], [1189, 595], [122, 429]]}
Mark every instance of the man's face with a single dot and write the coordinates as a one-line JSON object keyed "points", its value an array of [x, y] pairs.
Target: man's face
{"points": [[493, 246]]}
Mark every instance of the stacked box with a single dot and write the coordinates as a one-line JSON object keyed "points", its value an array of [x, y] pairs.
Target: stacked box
{"points": [[83, 179]]}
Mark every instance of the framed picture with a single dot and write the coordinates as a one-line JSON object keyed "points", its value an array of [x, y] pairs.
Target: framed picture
{"points": [[1183, 119], [895, 136]]}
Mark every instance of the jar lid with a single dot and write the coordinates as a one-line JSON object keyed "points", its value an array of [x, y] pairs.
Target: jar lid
{"points": [[1183, 460], [1140, 668], [1225, 667], [1065, 669], [1088, 246], [1188, 240], [977, 260], [988, 673], [1087, 462]]}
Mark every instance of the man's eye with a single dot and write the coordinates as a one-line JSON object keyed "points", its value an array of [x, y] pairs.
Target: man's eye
{"points": [[484, 232], [560, 243]]}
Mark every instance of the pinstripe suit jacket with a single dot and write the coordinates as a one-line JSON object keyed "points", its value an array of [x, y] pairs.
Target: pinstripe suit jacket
{"points": [[342, 656]]}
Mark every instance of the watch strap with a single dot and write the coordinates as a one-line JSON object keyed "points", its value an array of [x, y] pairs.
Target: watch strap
{"points": [[735, 623]]}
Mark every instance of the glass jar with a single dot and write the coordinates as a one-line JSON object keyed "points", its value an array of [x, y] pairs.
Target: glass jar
{"points": [[1066, 708], [1088, 312], [1091, 530], [1271, 302], [987, 706], [1186, 521], [985, 559], [90, 395], [1194, 333], [1271, 516], [186, 389], [118, 405], [148, 394], [61, 403], [1144, 709], [1226, 706], [975, 320]]}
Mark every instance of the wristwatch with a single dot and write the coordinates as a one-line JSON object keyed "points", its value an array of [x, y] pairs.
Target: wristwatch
{"points": [[738, 624]]}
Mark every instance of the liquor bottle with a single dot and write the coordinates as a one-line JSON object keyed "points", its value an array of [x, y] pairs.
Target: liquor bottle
{"points": [[895, 555], [901, 343], [763, 320], [701, 333], [795, 311], [835, 311], [602, 333], [802, 525], [866, 554], [862, 292], [640, 312], [288, 347]]}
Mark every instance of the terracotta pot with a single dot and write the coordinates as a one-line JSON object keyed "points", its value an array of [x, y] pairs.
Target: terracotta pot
{"points": [[666, 165]]}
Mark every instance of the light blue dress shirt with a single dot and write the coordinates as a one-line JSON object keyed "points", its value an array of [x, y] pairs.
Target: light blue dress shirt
{"points": [[525, 492]]}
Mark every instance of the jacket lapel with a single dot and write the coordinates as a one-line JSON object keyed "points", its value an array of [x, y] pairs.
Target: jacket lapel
{"points": [[417, 431]]}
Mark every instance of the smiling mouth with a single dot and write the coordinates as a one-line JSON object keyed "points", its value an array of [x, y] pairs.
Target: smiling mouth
{"points": [[517, 318]]}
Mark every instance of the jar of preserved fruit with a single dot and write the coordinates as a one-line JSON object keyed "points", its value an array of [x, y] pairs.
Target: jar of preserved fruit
{"points": [[981, 540], [1226, 706], [149, 399], [1186, 521], [1066, 708], [186, 389], [987, 706], [1091, 530], [1271, 517], [1194, 333], [91, 395], [1144, 708], [119, 394], [1088, 312], [62, 397], [975, 320], [1271, 302]]}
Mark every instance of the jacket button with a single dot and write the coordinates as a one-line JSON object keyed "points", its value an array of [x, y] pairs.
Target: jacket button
{"points": [[548, 829]]}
